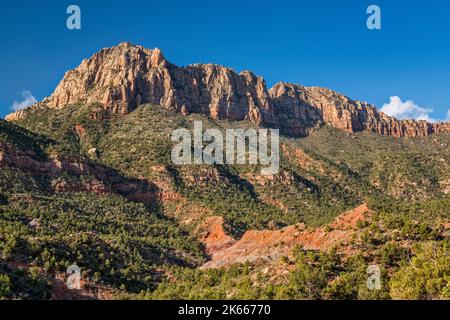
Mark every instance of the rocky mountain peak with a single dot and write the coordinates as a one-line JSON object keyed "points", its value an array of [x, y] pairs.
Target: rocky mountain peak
{"points": [[125, 76], [113, 76]]}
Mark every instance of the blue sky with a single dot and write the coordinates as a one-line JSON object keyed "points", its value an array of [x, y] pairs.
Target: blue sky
{"points": [[323, 43]]}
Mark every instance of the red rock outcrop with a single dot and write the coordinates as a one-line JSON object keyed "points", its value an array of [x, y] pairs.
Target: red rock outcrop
{"points": [[125, 76], [103, 180]]}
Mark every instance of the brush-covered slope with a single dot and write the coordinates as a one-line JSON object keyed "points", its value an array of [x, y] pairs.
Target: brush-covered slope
{"points": [[321, 175], [84, 184], [58, 208]]}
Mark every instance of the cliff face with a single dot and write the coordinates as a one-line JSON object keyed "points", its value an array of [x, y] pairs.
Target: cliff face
{"points": [[120, 78], [301, 109], [123, 77]]}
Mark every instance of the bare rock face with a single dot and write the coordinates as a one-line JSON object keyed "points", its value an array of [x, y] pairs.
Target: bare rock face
{"points": [[125, 76], [302, 109], [120, 78], [17, 115]]}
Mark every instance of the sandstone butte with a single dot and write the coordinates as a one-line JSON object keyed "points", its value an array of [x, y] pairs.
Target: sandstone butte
{"points": [[125, 76]]}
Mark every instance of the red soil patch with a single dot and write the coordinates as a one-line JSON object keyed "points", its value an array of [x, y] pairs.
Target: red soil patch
{"points": [[214, 237], [79, 130], [271, 245], [350, 219]]}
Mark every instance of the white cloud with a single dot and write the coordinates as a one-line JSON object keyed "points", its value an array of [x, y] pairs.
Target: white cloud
{"points": [[27, 100], [448, 114], [406, 110]]}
